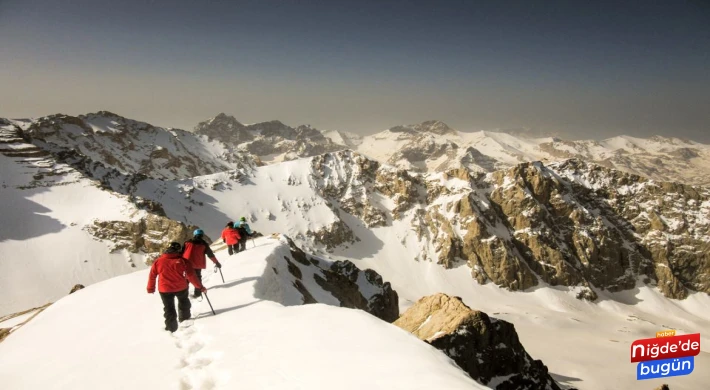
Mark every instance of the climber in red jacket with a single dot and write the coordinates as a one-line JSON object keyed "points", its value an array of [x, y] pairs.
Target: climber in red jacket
{"points": [[172, 270], [231, 237], [195, 252]]}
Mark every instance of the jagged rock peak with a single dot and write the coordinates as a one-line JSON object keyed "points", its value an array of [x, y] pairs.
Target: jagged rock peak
{"points": [[434, 126], [222, 120]]}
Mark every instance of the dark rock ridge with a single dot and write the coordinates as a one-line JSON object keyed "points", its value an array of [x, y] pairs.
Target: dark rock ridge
{"points": [[486, 348], [339, 283]]}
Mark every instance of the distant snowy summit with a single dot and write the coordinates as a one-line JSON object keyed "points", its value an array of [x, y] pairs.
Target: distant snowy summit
{"points": [[271, 141], [127, 146], [433, 146]]}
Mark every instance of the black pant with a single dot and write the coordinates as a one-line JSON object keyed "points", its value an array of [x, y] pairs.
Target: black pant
{"points": [[242, 244], [171, 317], [198, 272], [232, 249]]}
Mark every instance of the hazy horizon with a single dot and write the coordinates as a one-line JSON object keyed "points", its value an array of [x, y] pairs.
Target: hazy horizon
{"points": [[582, 70]]}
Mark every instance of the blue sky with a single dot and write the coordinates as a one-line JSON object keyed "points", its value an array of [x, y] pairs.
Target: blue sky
{"points": [[585, 69]]}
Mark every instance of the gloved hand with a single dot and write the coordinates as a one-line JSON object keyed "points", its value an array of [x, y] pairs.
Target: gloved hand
{"points": [[218, 264], [203, 289], [151, 291]]}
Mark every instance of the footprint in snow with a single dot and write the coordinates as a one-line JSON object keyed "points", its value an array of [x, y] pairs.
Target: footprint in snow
{"points": [[195, 362]]}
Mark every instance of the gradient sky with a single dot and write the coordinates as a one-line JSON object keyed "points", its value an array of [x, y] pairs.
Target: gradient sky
{"points": [[584, 69]]}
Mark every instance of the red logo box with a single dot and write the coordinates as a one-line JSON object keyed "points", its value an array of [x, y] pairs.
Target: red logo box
{"points": [[665, 347]]}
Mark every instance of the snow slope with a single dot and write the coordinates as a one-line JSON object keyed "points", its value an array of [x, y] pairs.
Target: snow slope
{"points": [[112, 338], [44, 250]]}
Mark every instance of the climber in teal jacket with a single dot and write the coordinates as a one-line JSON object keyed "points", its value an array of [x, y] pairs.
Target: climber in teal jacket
{"points": [[244, 231]]}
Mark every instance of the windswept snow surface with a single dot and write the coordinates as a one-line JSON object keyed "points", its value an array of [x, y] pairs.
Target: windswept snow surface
{"points": [[109, 336]]}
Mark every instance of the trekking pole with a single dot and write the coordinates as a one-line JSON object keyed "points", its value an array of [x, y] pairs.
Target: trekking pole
{"points": [[252, 241], [220, 272], [210, 303]]}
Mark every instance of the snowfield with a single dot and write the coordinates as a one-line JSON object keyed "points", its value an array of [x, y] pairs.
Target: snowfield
{"points": [[44, 251], [109, 336]]}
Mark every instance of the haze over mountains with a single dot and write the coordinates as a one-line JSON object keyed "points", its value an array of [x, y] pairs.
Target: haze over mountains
{"points": [[597, 242], [434, 146]]}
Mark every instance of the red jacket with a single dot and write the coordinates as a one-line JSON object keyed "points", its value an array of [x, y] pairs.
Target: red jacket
{"points": [[173, 270], [230, 236], [195, 252]]}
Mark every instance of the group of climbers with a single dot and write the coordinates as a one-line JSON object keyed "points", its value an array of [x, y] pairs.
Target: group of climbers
{"points": [[182, 263], [235, 235]]}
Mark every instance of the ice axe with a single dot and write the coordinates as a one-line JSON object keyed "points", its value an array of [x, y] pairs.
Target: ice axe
{"points": [[210, 303]]}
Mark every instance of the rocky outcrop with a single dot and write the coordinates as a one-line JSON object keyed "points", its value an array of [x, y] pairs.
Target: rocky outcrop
{"points": [[298, 278], [401, 187], [147, 235], [333, 235], [76, 288], [488, 349]]}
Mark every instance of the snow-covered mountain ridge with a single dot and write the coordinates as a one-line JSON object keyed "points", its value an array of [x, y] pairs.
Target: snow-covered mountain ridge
{"points": [[222, 143], [271, 141], [129, 147], [570, 224], [434, 146]]}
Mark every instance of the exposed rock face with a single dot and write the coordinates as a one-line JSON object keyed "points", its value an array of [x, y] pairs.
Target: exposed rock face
{"points": [[472, 157], [337, 233], [268, 139], [568, 224], [225, 128], [76, 288], [487, 349], [338, 283], [572, 224], [349, 188], [149, 234]]}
